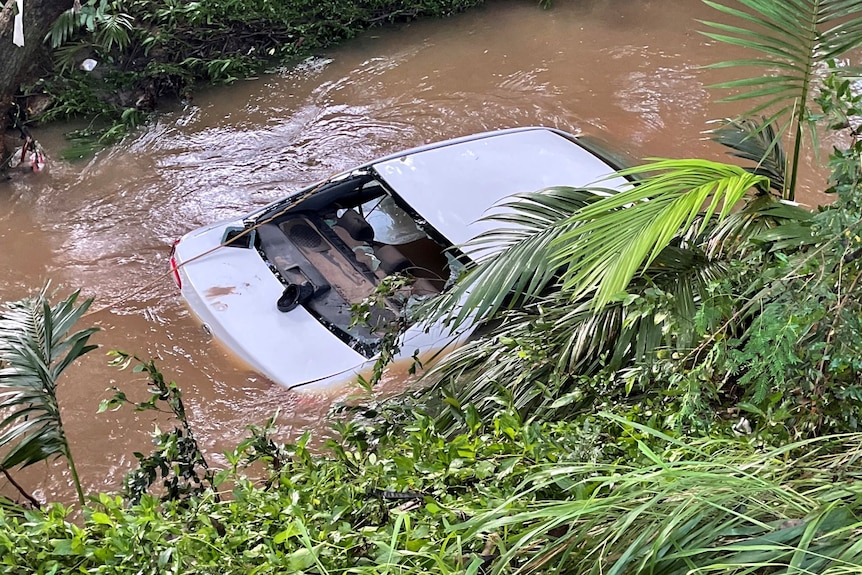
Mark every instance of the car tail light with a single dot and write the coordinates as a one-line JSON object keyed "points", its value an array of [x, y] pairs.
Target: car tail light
{"points": [[174, 267]]}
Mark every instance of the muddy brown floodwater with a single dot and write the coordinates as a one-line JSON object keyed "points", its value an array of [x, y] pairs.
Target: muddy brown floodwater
{"points": [[624, 69]]}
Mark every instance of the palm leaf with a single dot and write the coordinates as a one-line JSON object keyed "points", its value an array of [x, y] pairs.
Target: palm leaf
{"points": [[513, 261], [706, 507], [758, 220], [533, 357], [593, 238], [604, 245], [758, 142], [795, 41], [113, 29], [530, 358], [63, 28], [663, 233], [36, 347]]}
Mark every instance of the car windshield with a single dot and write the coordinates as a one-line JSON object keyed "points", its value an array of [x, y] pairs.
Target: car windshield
{"points": [[391, 224], [343, 241]]}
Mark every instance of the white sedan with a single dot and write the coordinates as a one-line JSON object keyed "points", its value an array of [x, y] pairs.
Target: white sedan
{"points": [[277, 285]]}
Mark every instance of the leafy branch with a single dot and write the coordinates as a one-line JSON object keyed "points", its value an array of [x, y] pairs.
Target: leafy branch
{"points": [[177, 459]]}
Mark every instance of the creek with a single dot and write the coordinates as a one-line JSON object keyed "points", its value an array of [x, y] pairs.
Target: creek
{"points": [[625, 70]]}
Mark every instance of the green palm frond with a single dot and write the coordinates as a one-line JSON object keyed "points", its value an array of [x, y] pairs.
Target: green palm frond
{"points": [[758, 142], [63, 29], [759, 219], [604, 245], [109, 27], [36, 347], [70, 55], [113, 29], [531, 355], [795, 41], [535, 355], [10, 508], [686, 275], [791, 234], [710, 506], [596, 240], [514, 261]]}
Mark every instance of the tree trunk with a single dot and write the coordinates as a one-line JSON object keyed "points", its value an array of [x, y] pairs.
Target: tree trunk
{"points": [[19, 62]]}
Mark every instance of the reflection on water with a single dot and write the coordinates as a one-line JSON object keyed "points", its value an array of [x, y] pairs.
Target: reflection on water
{"points": [[625, 69]]}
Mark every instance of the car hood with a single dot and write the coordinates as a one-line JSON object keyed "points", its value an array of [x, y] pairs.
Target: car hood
{"points": [[234, 293]]}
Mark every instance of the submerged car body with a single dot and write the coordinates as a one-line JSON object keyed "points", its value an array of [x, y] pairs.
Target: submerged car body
{"points": [[315, 253]]}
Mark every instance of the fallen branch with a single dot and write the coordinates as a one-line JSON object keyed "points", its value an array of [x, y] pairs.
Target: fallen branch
{"points": [[33, 501]]}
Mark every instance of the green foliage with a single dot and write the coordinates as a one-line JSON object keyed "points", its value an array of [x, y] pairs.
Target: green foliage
{"points": [[36, 347], [793, 42], [674, 198], [502, 496], [756, 142], [518, 268], [560, 439], [106, 101], [567, 266], [149, 49], [177, 459], [75, 96], [374, 503], [575, 234], [708, 506], [392, 291], [694, 295], [101, 20], [788, 354]]}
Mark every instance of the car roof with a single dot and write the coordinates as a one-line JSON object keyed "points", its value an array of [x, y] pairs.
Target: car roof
{"points": [[452, 185]]}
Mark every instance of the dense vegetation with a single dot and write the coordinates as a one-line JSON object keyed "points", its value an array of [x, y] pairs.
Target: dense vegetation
{"points": [[503, 495], [146, 50], [668, 383]]}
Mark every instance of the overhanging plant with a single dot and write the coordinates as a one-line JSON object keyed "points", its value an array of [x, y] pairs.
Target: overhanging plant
{"points": [[36, 346], [793, 44]]}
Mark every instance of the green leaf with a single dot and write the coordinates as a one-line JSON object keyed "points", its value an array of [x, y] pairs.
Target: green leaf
{"points": [[674, 198], [100, 518], [286, 534], [164, 557], [62, 547], [300, 559]]}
